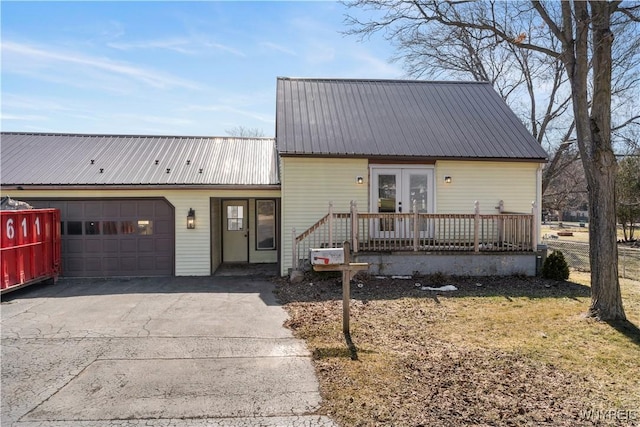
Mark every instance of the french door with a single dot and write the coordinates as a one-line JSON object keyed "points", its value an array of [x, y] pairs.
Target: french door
{"points": [[398, 190]]}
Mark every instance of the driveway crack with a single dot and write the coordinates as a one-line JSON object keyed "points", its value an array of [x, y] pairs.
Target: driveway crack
{"points": [[144, 328]]}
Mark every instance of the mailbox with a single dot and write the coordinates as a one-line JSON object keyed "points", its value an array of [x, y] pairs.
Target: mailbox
{"points": [[326, 256]]}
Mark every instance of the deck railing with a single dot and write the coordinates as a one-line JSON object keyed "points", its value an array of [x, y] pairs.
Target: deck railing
{"points": [[418, 232], [330, 231]]}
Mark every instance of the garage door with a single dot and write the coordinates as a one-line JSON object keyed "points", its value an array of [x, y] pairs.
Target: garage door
{"points": [[119, 237]]}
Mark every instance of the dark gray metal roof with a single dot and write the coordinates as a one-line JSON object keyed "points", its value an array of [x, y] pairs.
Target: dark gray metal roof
{"points": [[440, 120], [58, 159]]}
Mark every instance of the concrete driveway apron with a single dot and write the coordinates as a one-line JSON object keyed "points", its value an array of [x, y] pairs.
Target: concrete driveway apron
{"points": [[194, 351]]}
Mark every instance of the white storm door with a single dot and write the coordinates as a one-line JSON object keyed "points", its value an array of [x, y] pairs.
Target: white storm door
{"points": [[386, 199], [394, 190], [235, 231], [417, 190]]}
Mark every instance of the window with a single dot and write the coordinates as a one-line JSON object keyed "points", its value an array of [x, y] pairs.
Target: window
{"points": [[387, 200], [265, 224], [235, 218], [109, 227], [145, 227], [127, 227], [91, 228], [74, 228]]}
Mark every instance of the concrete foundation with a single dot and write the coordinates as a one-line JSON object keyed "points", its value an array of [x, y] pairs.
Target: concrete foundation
{"points": [[460, 264]]}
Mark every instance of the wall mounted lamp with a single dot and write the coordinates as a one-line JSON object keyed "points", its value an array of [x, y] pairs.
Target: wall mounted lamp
{"points": [[191, 219], [359, 180], [447, 179]]}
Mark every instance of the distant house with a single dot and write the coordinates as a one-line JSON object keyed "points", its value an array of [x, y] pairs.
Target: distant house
{"points": [[408, 154]]}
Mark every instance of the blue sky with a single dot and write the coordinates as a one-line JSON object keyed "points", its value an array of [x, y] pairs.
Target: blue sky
{"points": [[169, 68]]}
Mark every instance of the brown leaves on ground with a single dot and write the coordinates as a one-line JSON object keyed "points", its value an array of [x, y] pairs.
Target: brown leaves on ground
{"points": [[417, 363]]}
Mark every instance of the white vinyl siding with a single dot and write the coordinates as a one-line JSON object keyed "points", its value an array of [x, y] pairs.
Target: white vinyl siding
{"points": [[515, 183], [216, 234], [193, 247], [309, 184]]}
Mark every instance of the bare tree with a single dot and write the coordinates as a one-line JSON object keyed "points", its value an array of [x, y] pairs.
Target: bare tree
{"points": [[568, 189], [578, 35], [245, 132], [433, 51], [628, 192], [534, 84]]}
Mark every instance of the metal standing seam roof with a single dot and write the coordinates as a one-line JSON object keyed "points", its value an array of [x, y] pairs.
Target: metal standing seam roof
{"points": [[401, 118], [70, 159]]}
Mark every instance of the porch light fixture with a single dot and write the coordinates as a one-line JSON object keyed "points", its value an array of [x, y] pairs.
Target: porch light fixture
{"points": [[359, 180], [191, 219], [447, 179]]}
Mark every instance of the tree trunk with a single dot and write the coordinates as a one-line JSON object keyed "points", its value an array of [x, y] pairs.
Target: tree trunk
{"points": [[593, 129], [606, 300]]}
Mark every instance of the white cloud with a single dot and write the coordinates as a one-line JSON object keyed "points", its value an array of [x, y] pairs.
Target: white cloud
{"points": [[277, 48], [23, 102], [197, 44], [95, 30], [86, 117], [180, 45], [228, 109], [146, 118], [49, 57], [109, 30], [22, 117], [240, 99], [319, 53], [374, 67], [224, 48], [305, 24]]}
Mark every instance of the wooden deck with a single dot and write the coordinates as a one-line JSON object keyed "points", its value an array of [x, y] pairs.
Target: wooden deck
{"points": [[419, 232]]}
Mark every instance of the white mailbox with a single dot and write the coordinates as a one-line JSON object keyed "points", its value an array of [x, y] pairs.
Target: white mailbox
{"points": [[326, 256]]}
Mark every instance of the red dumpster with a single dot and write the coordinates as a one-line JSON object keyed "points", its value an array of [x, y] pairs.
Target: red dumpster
{"points": [[30, 247]]}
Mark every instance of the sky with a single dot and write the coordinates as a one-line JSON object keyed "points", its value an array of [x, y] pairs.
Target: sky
{"points": [[169, 68]]}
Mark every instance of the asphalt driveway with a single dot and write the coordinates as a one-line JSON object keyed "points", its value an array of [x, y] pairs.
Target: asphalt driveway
{"points": [[195, 351]]}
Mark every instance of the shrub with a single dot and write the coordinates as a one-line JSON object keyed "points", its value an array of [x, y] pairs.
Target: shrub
{"points": [[555, 267]]}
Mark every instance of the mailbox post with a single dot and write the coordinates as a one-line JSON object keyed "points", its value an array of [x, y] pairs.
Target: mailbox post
{"points": [[329, 260]]}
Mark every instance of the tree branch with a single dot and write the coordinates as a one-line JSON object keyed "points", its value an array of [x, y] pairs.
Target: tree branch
{"points": [[550, 22], [626, 123], [628, 11], [440, 18]]}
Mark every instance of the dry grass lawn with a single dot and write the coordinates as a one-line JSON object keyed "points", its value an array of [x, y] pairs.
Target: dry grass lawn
{"points": [[497, 352], [579, 234]]}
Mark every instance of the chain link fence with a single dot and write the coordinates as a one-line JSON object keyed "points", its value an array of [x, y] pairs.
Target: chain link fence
{"points": [[577, 256]]}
